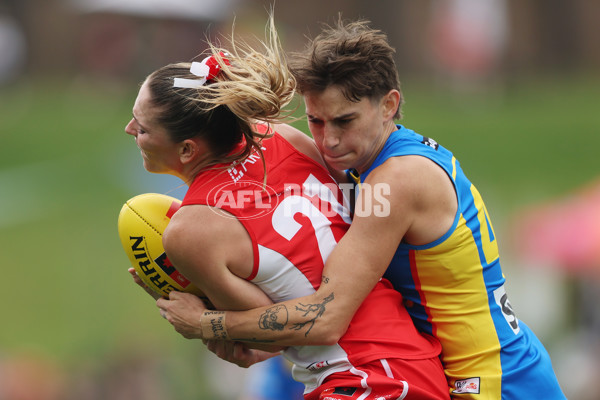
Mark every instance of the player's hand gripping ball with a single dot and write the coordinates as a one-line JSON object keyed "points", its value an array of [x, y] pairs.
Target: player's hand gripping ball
{"points": [[142, 221]]}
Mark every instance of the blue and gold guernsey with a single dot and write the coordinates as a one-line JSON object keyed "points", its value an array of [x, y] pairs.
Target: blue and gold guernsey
{"points": [[454, 290]]}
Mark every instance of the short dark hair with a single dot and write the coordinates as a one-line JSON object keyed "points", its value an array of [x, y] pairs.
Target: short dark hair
{"points": [[354, 57]]}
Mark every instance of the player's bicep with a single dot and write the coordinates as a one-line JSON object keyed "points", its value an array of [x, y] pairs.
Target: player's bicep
{"points": [[230, 292], [201, 254]]}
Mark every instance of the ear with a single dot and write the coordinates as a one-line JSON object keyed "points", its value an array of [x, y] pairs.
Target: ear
{"points": [[390, 103], [190, 150]]}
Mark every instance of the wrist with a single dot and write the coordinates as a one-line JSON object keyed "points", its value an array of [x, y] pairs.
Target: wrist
{"points": [[212, 324]]}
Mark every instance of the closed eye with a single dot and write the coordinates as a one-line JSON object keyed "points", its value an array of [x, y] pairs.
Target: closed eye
{"points": [[344, 121], [315, 121], [140, 129]]}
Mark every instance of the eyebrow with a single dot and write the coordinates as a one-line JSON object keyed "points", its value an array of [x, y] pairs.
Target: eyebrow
{"points": [[339, 117], [344, 116]]}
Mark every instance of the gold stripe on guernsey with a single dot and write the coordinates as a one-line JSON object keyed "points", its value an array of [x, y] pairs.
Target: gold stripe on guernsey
{"points": [[454, 168], [454, 291], [355, 177]]}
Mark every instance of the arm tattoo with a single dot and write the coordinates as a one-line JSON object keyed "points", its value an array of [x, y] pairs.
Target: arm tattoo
{"points": [[276, 318], [311, 309], [217, 326]]}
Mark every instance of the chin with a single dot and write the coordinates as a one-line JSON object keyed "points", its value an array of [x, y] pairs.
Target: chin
{"points": [[338, 164], [148, 167]]}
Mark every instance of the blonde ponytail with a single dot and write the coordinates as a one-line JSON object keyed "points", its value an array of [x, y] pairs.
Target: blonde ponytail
{"points": [[251, 87]]}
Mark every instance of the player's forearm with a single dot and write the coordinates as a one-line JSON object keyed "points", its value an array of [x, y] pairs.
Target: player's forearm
{"points": [[318, 319], [310, 320]]}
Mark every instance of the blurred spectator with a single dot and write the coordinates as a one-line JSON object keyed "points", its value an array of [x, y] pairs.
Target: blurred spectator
{"points": [[31, 377], [564, 234], [13, 49], [184, 9], [468, 38], [126, 39]]}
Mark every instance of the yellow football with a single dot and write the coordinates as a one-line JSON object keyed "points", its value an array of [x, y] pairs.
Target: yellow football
{"points": [[141, 224]]}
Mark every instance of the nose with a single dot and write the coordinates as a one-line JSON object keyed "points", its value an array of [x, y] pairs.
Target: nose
{"points": [[131, 128], [330, 137]]}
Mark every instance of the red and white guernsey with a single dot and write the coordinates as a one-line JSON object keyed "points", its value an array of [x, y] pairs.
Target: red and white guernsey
{"points": [[294, 222]]}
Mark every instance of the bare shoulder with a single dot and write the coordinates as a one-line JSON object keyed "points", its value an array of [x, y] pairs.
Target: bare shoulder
{"points": [[420, 193], [213, 250], [209, 235], [197, 221], [413, 176]]}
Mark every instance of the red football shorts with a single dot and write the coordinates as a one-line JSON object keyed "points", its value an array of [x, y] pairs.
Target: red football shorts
{"points": [[389, 379]]}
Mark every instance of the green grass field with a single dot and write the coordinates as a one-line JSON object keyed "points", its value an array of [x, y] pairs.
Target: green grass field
{"points": [[66, 167]]}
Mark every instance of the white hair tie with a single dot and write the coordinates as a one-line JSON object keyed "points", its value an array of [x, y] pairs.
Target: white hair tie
{"points": [[205, 70]]}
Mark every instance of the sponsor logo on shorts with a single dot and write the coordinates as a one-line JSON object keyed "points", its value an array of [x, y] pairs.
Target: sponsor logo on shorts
{"points": [[338, 393], [345, 391], [469, 385], [317, 365]]}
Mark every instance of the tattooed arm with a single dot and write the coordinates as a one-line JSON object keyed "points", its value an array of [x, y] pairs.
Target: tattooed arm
{"points": [[353, 268], [319, 319]]}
